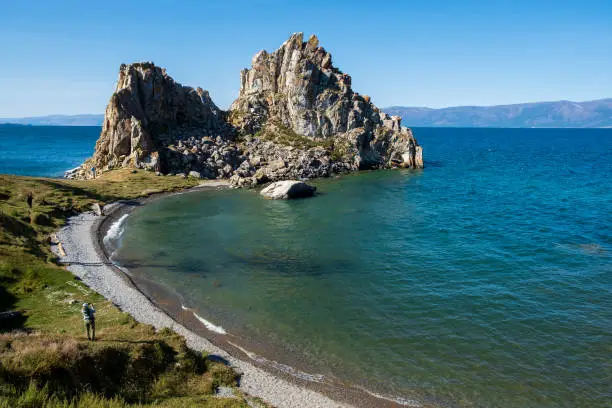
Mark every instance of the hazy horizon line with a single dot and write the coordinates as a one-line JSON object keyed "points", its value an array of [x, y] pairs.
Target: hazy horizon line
{"points": [[386, 107]]}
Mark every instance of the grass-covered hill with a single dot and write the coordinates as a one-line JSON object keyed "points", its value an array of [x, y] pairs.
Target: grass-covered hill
{"points": [[45, 358]]}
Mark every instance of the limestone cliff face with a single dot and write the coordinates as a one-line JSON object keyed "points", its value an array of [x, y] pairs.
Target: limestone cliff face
{"points": [[149, 111], [296, 117], [297, 87]]}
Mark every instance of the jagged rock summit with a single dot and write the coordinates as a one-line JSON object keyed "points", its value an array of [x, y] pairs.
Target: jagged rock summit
{"points": [[298, 88], [149, 112], [296, 117]]}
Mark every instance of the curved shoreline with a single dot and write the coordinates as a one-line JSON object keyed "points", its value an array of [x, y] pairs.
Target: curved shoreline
{"points": [[86, 257]]}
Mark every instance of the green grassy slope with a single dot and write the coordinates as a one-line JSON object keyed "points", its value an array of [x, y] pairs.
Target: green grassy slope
{"points": [[45, 358]]}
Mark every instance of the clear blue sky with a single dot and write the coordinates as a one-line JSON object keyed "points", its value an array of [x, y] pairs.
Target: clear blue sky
{"points": [[63, 56]]}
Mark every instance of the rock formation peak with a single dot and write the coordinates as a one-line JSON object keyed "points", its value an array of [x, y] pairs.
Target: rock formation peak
{"points": [[296, 116], [148, 109], [298, 87]]}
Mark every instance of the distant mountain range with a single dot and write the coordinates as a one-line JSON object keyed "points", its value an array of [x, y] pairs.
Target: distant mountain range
{"points": [[561, 114], [591, 114], [57, 120]]}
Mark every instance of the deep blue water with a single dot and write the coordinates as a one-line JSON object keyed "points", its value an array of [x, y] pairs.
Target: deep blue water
{"points": [[45, 150], [484, 280]]}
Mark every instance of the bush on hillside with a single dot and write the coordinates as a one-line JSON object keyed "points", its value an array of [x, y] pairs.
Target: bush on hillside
{"points": [[36, 364]]}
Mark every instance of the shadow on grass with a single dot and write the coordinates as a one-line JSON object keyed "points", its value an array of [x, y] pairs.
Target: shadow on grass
{"points": [[8, 301], [107, 340]]}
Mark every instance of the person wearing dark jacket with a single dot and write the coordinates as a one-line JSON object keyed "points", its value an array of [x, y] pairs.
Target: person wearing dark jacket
{"points": [[89, 317]]}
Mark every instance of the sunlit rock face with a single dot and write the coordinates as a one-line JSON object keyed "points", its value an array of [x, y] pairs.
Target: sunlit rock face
{"points": [[298, 88], [148, 112], [296, 117]]}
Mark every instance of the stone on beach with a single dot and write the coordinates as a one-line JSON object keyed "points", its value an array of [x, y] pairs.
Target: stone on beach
{"points": [[96, 209], [288, 189]]}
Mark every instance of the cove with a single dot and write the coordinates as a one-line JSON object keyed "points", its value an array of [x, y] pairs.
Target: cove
{"points": [[482, 280]]}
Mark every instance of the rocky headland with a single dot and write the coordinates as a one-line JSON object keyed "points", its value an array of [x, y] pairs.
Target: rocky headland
{"points": [[296, 117]]}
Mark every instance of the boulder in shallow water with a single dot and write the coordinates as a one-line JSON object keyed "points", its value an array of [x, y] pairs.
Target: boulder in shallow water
{"points": [[288, 189]]}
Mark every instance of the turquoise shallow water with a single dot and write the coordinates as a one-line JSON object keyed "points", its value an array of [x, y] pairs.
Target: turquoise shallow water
{"points": [[484, 280]]}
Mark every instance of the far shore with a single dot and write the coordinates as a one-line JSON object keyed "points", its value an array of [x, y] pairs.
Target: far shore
{"points": [[86, 257]]}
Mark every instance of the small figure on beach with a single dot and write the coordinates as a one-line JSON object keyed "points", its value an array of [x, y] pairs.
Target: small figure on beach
{"points": [[29, 199], [93, 172], [89, 317]]}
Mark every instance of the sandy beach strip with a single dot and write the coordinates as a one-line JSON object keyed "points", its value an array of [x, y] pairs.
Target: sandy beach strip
{"points": [[85, 258]]}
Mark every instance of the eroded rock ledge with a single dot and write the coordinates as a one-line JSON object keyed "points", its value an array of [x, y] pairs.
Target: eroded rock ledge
{"points": [[296, 117]]}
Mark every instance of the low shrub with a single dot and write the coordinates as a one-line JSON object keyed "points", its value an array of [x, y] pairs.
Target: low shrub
{"points": [[222, 374], [37, 366]]}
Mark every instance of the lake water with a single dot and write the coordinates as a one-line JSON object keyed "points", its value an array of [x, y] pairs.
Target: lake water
{"points": [[484, 280], [45, 150]]}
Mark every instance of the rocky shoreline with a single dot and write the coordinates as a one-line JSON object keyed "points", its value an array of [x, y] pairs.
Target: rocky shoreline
{"points": [[85, 256]]}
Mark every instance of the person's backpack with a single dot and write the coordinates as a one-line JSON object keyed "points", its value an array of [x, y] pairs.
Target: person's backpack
{"points": [[87, 314]]}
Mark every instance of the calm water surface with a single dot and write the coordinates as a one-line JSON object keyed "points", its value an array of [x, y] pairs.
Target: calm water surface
{"points": [[45, 150], [484, 280]]}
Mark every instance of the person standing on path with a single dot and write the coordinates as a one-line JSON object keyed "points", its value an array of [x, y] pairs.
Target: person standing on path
{"points": [[89, 317], [93, 172]]}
